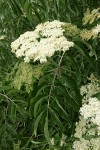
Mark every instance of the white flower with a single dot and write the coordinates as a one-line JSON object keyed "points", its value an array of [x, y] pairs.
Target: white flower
{"points": [[96, 29], [95, 143], [53, 32], [52, 141], [41, 43], [2, 37], [80, 128], [84, 127], [82, 144], [62, 142], [91, 111], [89, 119], [90, 89]]}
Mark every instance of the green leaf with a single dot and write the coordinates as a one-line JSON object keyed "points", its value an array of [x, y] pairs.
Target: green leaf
{"points": [[16, 7], [13, 111], [83, 52], [27, 10], [41, 88], [22, 111], [46, 130], [69, 100], [37, 14], [38, 103], [36, 124], [73, 86], [66, 116], [59, 123], [89, 47], [69, 7], [4, 88]]}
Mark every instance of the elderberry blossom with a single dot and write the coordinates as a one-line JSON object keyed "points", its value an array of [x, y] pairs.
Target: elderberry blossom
{"points": [[96, 30], [41, 43], [87, 129]]}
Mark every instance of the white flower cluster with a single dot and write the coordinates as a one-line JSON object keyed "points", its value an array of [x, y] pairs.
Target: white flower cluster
{"points": [[91, 88], [42, 42], [83, 144], [91, 111], [88, 135], [88, 128], [96, 30]]}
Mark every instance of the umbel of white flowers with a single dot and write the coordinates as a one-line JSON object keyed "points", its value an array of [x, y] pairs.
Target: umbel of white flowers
{"points": [[41, 43], [88, 128]]}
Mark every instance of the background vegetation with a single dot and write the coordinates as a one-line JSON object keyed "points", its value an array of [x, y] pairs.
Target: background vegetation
{"points": [[32, 114]]}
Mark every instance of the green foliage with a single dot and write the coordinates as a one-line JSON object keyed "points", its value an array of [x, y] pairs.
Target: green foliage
{"points": [[44, 100], [57, 98], [13, 115]]}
